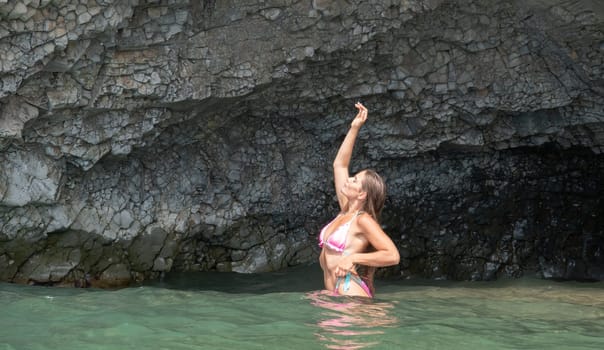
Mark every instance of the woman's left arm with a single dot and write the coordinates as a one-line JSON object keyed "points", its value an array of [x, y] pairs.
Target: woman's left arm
{"points": [[385, 253]]}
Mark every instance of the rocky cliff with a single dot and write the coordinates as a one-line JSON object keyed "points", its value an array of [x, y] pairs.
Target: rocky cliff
{"points": [[140, 137]]}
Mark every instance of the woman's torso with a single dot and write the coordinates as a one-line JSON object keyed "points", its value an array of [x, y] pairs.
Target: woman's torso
{"points": [[355, 242]]}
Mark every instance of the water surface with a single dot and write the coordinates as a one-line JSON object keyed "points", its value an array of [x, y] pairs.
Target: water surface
{"points": [[288, 311]]}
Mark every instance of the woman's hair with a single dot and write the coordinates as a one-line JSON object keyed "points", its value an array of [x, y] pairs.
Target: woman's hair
{"points": [[375, 187]]}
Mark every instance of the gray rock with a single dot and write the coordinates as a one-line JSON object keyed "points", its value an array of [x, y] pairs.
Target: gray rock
{"points": [[29, 178], [152, 137]]}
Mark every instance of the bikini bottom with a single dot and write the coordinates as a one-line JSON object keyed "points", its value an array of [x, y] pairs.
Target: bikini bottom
{"points": [[354, 278]]}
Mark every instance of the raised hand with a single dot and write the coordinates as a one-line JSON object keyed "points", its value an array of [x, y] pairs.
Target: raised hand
{"points": [[361, 116]]}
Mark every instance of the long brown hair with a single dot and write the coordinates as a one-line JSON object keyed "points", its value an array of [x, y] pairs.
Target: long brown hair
{"points": [[375, 187]]}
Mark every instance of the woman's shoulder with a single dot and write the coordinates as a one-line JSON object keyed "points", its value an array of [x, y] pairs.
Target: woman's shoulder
{"points": [[368, 225], [365, 219]]}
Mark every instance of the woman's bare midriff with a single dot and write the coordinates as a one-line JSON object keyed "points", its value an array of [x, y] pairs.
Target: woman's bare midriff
{"points": [[329, 260]]}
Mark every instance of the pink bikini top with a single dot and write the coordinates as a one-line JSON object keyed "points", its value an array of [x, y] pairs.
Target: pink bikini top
{"points": [[337, 240]]}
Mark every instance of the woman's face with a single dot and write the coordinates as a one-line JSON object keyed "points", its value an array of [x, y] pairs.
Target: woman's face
{"points": [[353, 186]]}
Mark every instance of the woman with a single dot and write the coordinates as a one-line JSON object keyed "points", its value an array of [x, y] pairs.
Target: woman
{"points": [[354, 244]]}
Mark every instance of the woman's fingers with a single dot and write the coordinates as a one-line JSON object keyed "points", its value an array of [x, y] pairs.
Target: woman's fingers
{"points": [[361, 116], [362, 110], [360, 106]]}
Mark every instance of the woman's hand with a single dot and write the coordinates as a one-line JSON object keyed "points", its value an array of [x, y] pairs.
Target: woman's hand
{"points": [[345, 265], [361, 117]]}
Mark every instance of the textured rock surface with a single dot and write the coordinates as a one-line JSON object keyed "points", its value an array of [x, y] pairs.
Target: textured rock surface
{"points": [[139, 137]]}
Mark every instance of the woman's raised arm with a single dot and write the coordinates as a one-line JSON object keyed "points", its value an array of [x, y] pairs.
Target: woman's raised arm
{"points": [[342, 161]]}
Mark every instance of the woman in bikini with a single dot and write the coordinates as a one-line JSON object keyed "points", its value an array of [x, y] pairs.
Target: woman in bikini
{"points": [[354, 244]]}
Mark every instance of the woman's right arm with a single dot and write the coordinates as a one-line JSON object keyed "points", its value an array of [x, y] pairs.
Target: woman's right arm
{"points": [[342, 160]]}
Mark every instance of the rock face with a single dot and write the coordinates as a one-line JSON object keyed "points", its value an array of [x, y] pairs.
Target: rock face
{"points": [[140, 137]]}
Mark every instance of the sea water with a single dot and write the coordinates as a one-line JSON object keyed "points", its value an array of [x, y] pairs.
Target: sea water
{"points": [[288, 310]]}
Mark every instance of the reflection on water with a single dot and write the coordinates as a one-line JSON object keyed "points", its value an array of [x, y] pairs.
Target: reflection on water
{"points": [[351, 322]]}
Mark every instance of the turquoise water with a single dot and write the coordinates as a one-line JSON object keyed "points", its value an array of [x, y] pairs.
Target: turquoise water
{"points": [[287, 311]]}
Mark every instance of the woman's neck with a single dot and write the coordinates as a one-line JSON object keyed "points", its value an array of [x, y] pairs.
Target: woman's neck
{"points": [[354, 207]]}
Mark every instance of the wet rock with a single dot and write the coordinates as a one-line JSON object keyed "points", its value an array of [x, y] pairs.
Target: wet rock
{"points": [[116, 275], [49, 267], [145, 248]]}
